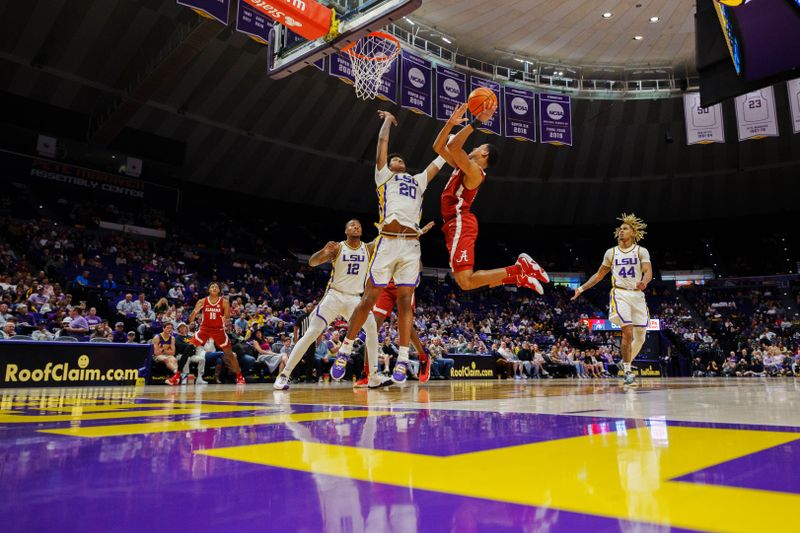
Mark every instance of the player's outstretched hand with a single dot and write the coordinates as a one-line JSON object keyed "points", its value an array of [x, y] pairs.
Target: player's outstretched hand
{"points": [[385, 115], [487, 112], [641, 286], [457, 117], [429, 226], [575, 296]]}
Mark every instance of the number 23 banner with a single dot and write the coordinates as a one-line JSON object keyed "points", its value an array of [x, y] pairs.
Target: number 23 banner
{"points": [[755, 114]]}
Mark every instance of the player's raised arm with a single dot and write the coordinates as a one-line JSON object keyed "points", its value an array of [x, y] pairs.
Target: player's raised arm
{"points": [[381, 157], [594, 280], [440, 143], [324, 255], [196, 310]]}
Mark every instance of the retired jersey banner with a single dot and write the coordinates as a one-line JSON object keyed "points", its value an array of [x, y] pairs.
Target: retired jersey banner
{"points": [[755, 114], [793, 88], [555, 119], [252, 23], [703, 124], [339, 65], [494, 124], [212, 9], [519, 113], [416, 83], [387, 90], [451, 91]]}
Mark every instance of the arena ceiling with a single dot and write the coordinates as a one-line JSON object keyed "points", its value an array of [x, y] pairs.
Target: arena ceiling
{"points": [[155, 68], [572, 32]]}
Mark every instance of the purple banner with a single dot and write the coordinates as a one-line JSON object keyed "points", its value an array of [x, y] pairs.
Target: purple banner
{"points": [[252, 23], [215, 9], [555, 119], [321, 64], [339, 66], [520, 115], [451, 91], [416, 83], [493, 125], [387, 90]]}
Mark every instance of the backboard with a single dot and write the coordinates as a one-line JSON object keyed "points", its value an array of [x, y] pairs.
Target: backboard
{"points": [[289, 53]]}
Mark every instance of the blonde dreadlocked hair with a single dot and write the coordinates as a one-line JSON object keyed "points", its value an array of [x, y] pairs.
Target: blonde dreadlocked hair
{"points": [[636, 223]]}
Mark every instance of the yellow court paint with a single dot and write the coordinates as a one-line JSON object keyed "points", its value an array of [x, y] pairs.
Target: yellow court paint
{"points": [[208, 423], [178, 409], [624, 475]]}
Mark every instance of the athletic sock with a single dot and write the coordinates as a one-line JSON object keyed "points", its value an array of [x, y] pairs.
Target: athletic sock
{"points": [[402, 356], [626, 367], [347, 347], [513, 271], [509, 280]]}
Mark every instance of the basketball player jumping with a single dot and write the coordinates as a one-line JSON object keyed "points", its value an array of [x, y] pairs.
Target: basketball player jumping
{"points": [[216, 313], [349, 260], [460, 225], [631, 272], [397, 252]]}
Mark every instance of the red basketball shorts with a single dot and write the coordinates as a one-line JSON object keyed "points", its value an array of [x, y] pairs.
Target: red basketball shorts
{"points": [[460, 234], [387, 300], [218, 335]]}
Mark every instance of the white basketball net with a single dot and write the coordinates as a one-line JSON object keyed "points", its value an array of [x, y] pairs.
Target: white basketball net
{"points": [[370, 58]]}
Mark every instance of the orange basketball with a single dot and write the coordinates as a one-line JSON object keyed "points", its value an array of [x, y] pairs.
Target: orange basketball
{"points": [[480, 99]]}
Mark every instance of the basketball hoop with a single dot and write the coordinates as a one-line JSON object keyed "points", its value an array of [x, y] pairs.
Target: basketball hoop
{"points": [[371, 56]]}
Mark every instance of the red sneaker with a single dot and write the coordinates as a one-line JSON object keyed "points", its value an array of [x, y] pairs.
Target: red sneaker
{"points": [[361, 383], [530, 283], [240, 380], [531, 268], [174, 380], [425, 370]]}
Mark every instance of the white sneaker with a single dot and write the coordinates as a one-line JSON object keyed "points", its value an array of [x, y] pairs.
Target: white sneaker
{"points": [[282, 383], [200, 381], [376, 381]]}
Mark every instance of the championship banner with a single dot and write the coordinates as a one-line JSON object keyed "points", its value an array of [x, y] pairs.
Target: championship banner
{"points": [[703, 124], [793, 88], [252, 23], [555, 119], [339, 66], [307, 18], [494, 123], [520, 115], [60, 364], [451, 91], [416, 83], [755, 114], [387, 90], [210, 9]]}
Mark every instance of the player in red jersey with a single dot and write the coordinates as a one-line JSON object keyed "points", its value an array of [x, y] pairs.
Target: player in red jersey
{"points": [[216, 313], [460, 225], [381, 311]]}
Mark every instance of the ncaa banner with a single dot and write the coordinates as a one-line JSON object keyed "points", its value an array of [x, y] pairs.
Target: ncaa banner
{"points": [[416, 83], [387, 90], [519, 116], [555, 119], [494, 123], [451, 89], [703, 124], [793, 88], [210, 9], [755, 114], [252, 23], [340, 67]]}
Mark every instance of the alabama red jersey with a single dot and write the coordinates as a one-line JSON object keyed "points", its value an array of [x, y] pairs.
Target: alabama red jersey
{"points": [[212, 314], [456, 198]]}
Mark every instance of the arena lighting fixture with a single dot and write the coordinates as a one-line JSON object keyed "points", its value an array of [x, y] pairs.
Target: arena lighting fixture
{"points": [[410, 21], [653, 20], [445, 39], [608, 15], [637, 37]]}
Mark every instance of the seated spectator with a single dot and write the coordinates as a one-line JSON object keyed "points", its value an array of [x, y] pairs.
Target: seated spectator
{"points": [[77, 327], [267, 360], [145, 317], [698, 369], [4, 314], [38, 298], [199, 358], [164, 352], [118, 335], [92, 319], [131, 338], [103, 331], [138, 305], [387, 354], [9, 329], [712, 369], [109, 282], [25, 318], [321, 360], [440, 365]]}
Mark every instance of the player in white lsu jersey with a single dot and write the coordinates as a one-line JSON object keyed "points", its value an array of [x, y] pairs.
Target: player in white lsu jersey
{"points": [[350, 261], [631, 272], [397, 251]]}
